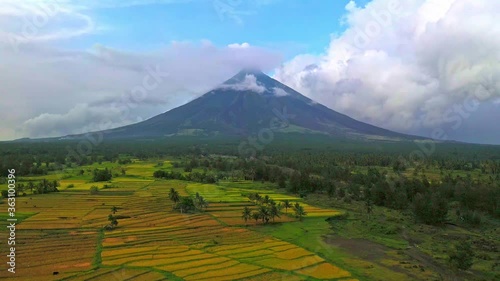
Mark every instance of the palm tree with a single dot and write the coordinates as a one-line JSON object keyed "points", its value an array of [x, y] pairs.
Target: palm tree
{"points": [[271, 202], [200, 202], [113, 221], [174, 196], [247, 214], [258, 198], [299, 211], [287, 204], [31, 186], [266, 199], [274, 211], [280, 207], [114, 209], [255, 216], [264, 214], [251, 196]]}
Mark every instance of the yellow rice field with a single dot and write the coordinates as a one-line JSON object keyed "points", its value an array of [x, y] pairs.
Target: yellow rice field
{"points": [[152, 241]]}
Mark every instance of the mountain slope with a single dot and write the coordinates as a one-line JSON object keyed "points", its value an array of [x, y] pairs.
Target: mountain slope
{"points": [[246, 104]]}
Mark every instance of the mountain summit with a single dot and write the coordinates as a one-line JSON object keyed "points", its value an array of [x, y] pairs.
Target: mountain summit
{"points": [[247, 103]]}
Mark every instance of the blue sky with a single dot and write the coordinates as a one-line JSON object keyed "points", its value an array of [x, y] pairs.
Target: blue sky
{"points": [[293, 27]]}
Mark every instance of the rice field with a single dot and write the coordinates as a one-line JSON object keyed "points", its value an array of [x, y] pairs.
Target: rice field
{"points": [[61, 237]]}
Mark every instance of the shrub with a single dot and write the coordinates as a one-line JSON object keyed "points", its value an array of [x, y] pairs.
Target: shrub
{"points": [[102, 175], [430, 208], [469, 217], [462, 256], [94, 190]]}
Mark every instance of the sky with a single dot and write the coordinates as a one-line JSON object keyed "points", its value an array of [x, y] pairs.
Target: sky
{"points": [[423, 67]]}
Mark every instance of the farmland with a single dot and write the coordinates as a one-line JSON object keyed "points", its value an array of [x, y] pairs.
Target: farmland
{"points": [[129, 228], [62, 233]]}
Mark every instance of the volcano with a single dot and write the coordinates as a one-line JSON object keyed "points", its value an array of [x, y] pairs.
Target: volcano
{"points": [[248, 103]]}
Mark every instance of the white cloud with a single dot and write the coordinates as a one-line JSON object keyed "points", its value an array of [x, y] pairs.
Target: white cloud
{"points": [[403, 64], [58, 92], [249, 83], [279, 92], [80, 119], [46, 20], [236, 45]]}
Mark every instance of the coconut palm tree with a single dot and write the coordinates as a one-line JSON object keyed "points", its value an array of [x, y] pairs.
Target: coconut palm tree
{"points": [[286, 205], [247, 214], [31, 186], [255, 216], [299, 211], [258, 198], [174, 196], [114, 209], [271, 202], [200, 202], [264, 214], [112, 221], [274, 212]]}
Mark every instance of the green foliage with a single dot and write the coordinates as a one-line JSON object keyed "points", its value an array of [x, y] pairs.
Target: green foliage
{"points": [[472, 218], [173, 195], [199, 202], [113, 222], [286, 205], [94, 190], [101, 175], [246, 214], [186, 204], [462, 255], [299, 211], [430, 208]]}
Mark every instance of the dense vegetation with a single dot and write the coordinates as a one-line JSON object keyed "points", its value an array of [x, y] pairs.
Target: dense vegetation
{"points": [[457, 184]]}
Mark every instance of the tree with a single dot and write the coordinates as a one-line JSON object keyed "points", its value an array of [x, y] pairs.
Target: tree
{"points": [[255, 216], [274, 211], [247, 214], [186, 204], [299, 211], [31, 186], [200, 202], [101, 175], [257, 198], [430, 208], [286, 205], [174, 196], [462, 256], [114, 209], [282, 182], [368, 206], [113, 222], [264, 214]]}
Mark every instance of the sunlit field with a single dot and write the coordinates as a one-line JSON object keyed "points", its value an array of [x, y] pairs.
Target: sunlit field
{"points": [[62, 236]]}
